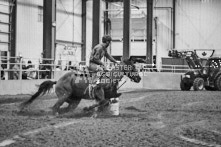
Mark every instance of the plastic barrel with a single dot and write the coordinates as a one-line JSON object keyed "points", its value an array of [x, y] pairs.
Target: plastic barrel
{"points": [[114, 106], [114, 109]]}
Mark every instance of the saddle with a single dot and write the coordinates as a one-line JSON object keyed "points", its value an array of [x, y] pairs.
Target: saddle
{"points": [[90, 91], [91, 87], [85, 72]]}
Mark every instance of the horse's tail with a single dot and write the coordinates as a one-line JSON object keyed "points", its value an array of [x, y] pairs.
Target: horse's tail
{"points": [[46, 86]]}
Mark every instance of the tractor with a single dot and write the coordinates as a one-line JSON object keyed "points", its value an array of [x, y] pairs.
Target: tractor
{"points": [[203, 73]]}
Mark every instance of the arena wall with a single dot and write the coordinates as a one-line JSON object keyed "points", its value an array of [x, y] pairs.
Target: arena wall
{"points": [[153, 81], [14, 87]]}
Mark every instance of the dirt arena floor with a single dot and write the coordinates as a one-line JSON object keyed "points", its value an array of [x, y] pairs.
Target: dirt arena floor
{"points": [[147, 118]]}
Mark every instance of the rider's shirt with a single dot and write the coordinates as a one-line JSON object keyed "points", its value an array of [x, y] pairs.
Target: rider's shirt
{"points": [[98, 52]]}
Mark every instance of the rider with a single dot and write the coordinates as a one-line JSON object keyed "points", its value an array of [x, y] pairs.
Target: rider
{"points": [[98, 52]]}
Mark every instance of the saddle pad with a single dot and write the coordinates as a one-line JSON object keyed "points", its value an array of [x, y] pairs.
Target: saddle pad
{"points": [[91, 91], [84, 73]]}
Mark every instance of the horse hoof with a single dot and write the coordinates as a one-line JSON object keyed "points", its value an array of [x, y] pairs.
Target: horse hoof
{"points": [[94, 115], [20, 111], [51, 117], [21, 108], [118, 94], [56, 114], [86, 109]]}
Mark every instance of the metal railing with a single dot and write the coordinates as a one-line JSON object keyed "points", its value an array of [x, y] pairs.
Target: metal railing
{"points": [[50, 68], [14, 68], [163, 68]]}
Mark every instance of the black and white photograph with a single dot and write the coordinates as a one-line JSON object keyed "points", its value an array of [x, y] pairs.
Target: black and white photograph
{"points": [[110, 73]]}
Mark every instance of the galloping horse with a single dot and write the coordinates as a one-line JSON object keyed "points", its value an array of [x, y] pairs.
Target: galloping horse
{"points": [[73, 86]]}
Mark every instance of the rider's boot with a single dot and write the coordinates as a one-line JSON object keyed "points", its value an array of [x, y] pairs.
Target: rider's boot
{"points": [[118, 95], [91, 87]]}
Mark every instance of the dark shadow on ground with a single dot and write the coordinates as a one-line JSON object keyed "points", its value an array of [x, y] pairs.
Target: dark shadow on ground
{"points": [[36, 113], [145, 90], [21, 98], [189, 111], [135, 109], [63, 113]]}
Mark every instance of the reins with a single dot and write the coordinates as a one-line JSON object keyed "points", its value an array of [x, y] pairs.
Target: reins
{"points": [[121, 85], [104, 75]]}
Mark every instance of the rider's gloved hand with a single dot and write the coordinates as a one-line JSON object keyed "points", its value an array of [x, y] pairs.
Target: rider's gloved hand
{"points": [[117, 62], [104, 68]]}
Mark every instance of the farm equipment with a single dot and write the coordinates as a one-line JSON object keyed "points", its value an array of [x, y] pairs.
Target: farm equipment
{"points": [[203, 73]]}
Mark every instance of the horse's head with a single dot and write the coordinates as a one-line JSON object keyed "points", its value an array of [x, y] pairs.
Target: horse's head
{"points": [[130, 69]]}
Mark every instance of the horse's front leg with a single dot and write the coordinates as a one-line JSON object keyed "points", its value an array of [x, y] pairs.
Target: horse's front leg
{"points": [[98, 104], [100, 98]]}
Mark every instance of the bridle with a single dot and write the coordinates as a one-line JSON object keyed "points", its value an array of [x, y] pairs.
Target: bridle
{"points": [[123, 71]]}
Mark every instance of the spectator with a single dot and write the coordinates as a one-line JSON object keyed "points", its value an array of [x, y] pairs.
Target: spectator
{"points": [[24, 70], [46, 70], [29, 64], [31, 72], [154, 64], [2, 73], [69, 67], [58, 68], [16, 69]]}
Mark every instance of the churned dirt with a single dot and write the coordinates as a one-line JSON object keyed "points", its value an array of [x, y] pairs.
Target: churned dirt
{"points": [[147, 118]]}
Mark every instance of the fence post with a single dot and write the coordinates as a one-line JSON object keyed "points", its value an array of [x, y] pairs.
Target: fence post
{"points": [[0, 65], [8, 66], [143, 78], [20, 70], [54, 70], [38, 72]]}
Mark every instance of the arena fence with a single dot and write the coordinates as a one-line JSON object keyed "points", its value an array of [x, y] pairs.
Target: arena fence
{"points": [[19, 69], [166, 77]]}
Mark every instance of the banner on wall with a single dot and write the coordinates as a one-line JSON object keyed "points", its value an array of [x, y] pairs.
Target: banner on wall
{"points": [[67, 55]]}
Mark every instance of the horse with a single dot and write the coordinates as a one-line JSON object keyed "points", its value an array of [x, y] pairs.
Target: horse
{"points": [[73, 86]]}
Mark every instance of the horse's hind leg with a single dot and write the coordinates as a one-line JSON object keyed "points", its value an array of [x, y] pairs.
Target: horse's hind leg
{"points": [[73, 104], [62, 97]]}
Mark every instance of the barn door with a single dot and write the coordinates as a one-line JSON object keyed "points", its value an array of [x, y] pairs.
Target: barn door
{"points": [[5, 25], [162, 37]]}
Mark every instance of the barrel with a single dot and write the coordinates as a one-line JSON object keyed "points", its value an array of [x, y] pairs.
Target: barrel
{"points": [[113, 108]]}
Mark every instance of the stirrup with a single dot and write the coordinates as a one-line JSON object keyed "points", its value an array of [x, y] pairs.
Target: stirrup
{"points": [[98, 81], [91, 91]]}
